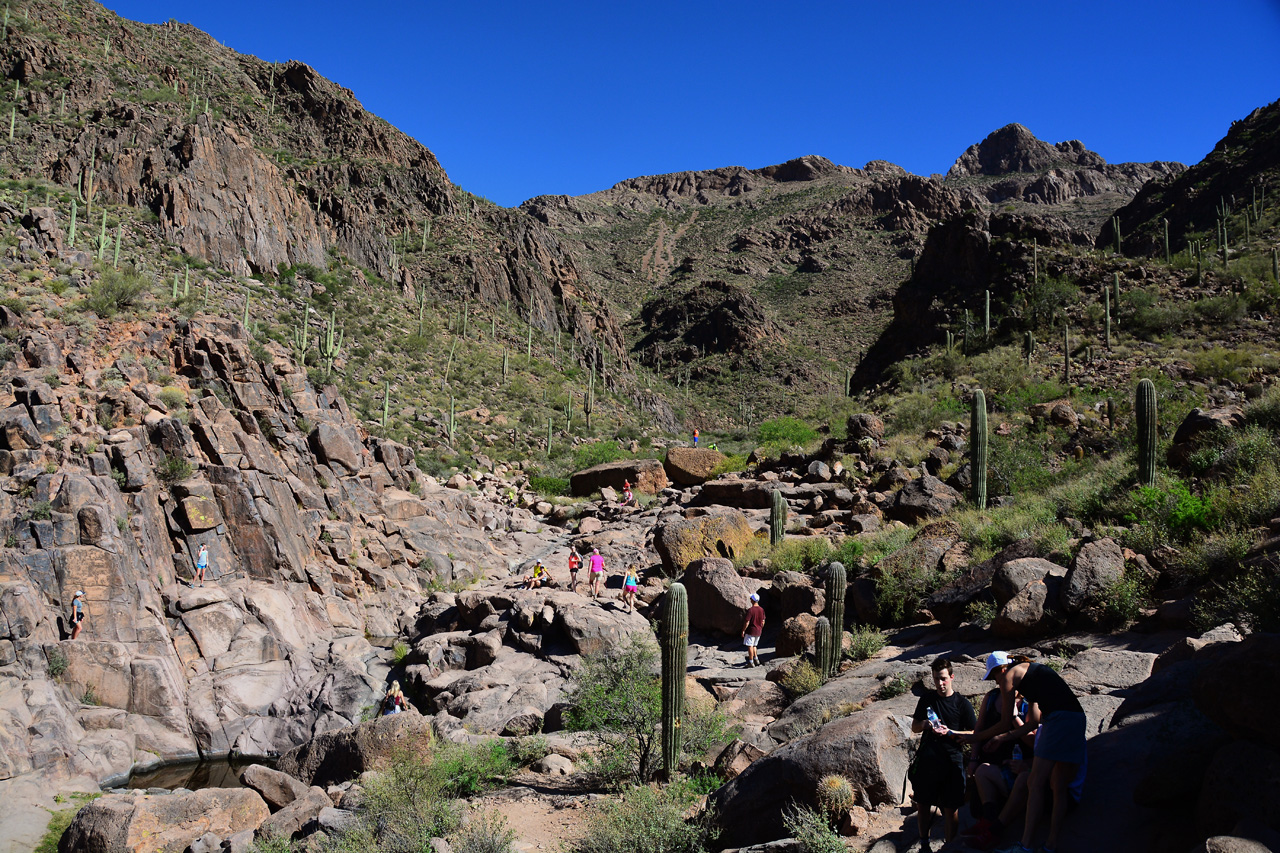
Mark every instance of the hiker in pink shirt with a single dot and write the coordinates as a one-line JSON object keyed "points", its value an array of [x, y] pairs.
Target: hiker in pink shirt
{"points": [[596, 564]]}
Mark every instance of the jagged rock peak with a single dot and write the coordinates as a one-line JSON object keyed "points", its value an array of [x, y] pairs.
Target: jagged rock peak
{"points": [[1013, 148], [807, 168]]}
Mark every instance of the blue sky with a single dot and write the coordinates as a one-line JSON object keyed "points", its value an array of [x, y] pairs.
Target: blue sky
{"points": [[524, 99]]}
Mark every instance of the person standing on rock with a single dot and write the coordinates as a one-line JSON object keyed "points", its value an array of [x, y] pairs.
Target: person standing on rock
{"points": [[596, 569], [937, 773], [695, 436], [752, 629], [1060, 741], [77, 613], [202, 563], [630, 582], [575, 563]]}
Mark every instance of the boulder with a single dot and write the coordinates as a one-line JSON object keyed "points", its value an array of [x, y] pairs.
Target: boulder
{"points": [[1199, 424], [1022, 615], [756, 698], [1058, 412], [691, 466], [921, 499], [340, 756], [332, 446], [290, 820], [862, 425], [276, 788], [950, 603], [737, 757], [1241, 690], [138, 823], [870, 748], [17, 432], [595, 629], [553, 765], [1012, 577], [795, 594], [721, 532], [1097, 565], [645, 475], [798, 634], [1243, 781], [743, 494], [718, 599]]}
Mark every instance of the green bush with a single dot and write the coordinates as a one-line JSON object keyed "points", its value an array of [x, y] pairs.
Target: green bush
{"points": [[173, 398], [801, 680], [115, 291], [174, 469], [399, 650], [865, 642], [813, 831], [895, 686], [403, 808], [465, 770], [528, 749], [549, 486], [58, 663], [785, 433], [1122, 599], [616, 697], [596, 453], [799, 555], [643, 820], [42, 510]]}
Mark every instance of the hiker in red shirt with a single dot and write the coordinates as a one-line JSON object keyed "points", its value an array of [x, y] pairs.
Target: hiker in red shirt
{"points": [[752, 630], [575, 563]]}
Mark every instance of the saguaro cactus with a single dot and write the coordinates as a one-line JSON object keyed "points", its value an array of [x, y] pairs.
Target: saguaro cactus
{"points": [[978, 449], [777, 517], [1145, 408], [836, 585], [675, 660], [1029, 347], [986, 314], [822, 644]]}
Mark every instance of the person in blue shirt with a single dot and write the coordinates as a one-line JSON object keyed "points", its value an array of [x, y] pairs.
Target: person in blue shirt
{"points": [[202, 563], [77, 614]]}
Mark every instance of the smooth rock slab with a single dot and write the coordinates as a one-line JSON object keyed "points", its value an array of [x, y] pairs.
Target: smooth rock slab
{"points": [[164, 823]]}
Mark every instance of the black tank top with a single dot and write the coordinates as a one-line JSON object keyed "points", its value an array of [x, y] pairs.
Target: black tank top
{"points": [[1046, 688]]}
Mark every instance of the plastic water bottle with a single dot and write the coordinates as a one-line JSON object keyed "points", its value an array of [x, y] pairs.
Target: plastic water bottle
{"points": [[934, 722], [1017, 752]]}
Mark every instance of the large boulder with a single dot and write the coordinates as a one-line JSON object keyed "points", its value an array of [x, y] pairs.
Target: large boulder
{"points": [[950, 603], [798, 635], [340, 756], [744, 494], [141, 823], [721, 532], [1199, 424], [718, 599], [795, 594], [1241, 690], [1242, 781], [276, 788], [1014, 576], [691, 466], [870, 748], [863, 425], [1097, 565], [1022, 615], [645, 475], [921, 499]]}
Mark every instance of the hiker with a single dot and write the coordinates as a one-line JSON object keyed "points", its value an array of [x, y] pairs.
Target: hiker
{"points": [[202, 563], [629, 583], [596, 570], [937, 773], [628, 498], [77, 613], [752, 629], [695, 436], [995, 767], [539, 576], [575, 563], [394, 702], [1060, 740]]}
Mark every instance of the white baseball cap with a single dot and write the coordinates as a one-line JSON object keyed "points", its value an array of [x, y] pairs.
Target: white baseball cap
{"points": [[79, 593], [994, 660], [755, 596]]}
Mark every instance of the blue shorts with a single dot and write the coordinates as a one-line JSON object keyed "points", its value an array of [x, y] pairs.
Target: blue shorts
{"points": [[1061, 737]]}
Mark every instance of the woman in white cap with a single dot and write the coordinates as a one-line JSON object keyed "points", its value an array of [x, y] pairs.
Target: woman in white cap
{"points": [[1060, 741], [77, 613]]}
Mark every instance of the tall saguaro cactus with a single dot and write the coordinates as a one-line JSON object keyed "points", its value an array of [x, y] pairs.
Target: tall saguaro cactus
{"points": [[978, 449], [1144, 407], [675, 660], [836, 585], [777, 517], [822, 643]]}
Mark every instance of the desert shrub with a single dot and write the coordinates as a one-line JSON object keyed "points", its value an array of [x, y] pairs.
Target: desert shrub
{"points": [[902, 584], [617, 698], [784, 433], [115, 291], [917, 411], [643, 820], [1122, 599], [403, 808], [173, 398], [549, 486], [981, 612], [174, 469], [596, 453], [465, 770], [528, 749], [400, 650], [801, 680], [1250, 598], [865, 642], [486, 832], [1174, 508], [895, 686], [799, 555], [731, 462], [42, 510], [813, 831], [58, 663]]}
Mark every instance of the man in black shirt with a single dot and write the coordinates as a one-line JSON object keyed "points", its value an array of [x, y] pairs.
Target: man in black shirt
{"points": [[937, 774]]}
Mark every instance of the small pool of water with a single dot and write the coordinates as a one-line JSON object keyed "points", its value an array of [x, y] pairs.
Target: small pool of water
{"points": [[214, 773]]}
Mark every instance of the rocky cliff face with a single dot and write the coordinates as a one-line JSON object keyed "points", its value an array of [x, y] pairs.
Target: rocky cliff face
{"points": [[320, 536]]}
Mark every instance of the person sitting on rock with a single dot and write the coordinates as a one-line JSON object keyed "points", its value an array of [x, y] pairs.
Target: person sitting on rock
{"points": [[629, 583], [628, 498], [994, 768], [394, 702], [538, 577], [1060, 749], [937, 777]]}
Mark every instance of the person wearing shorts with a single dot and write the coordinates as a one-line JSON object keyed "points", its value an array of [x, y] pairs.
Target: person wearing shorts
{"points": [[629, 583], [538, 577], [752, 630], [77, 613], [202, 563], [596, 570], [575, 563], [1060, 749]]}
